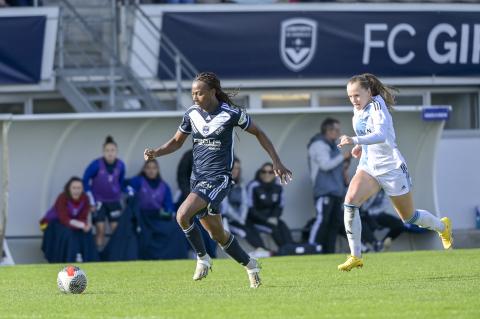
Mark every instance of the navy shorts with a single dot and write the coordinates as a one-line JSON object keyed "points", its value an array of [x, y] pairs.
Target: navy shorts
{"points": [[213, 191], [111, 211]]}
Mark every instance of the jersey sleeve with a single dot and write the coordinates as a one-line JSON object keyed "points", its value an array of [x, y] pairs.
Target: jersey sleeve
{"points": [[185, 125], [242, 120], [135, 183], [379, 134], [319, 153], [90, 172]]}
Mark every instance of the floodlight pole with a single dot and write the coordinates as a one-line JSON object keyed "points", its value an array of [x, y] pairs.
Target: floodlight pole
{"points": [[5, 168]]}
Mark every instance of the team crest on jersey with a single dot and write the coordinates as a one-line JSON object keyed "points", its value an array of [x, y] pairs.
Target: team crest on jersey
{"points": [[298, 41], [205, 128]]}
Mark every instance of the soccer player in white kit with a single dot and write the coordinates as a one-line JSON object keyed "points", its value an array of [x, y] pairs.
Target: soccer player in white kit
{"points": [[381, 166]]}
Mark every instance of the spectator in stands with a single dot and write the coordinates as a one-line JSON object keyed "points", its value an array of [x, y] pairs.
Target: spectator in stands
{"points": [[68, 236], [234, 210], [160, 236], [184, 173], [327, 172], [103, 181], [265, 206], [374, 216]]}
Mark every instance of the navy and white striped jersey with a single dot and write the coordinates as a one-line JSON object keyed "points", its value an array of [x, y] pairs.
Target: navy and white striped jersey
{"points": [[213, 139]]}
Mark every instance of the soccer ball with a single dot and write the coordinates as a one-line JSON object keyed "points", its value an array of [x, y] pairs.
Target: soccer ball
{"points": [[72, 279]]}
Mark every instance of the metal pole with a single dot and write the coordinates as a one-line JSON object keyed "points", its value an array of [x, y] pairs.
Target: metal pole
{"points": [[61, 40], [5, 167], [123, 26], [178, 75], [111, 100]]}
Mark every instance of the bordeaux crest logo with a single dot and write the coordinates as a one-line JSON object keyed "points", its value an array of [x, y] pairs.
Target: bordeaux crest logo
{"points": [[298, 41], [206, 129]]}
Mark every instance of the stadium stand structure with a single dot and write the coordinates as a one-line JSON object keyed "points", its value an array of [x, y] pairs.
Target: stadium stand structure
{"points": [[92, 69]]}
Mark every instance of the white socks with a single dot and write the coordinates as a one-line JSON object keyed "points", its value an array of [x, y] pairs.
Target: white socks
{"points": [[427, 220], [353, 228]]}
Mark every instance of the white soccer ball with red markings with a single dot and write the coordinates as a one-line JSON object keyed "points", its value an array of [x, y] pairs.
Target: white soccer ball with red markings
{"points": [[72, 280]]}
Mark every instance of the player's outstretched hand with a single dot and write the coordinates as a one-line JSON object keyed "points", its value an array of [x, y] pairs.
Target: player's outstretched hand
{"points": [[149, 154], [282, 172], [357, 151], [345, 140]]}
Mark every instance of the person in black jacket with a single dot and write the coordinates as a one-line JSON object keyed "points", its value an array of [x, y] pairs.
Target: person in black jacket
{"points": [[265, 202], [184, 172], [234, 211]]}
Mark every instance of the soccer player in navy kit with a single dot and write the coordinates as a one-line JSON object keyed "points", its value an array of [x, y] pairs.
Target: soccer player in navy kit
{"points": [[211, 121]]}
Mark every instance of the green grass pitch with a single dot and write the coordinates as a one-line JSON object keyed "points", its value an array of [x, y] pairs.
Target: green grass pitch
{"points": [[424, 284]]}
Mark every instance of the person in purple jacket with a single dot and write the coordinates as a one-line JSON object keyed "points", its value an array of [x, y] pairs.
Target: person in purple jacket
{"points": [[103, 182], [160, 237]]}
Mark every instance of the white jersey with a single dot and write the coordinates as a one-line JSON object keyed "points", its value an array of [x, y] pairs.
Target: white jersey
{"points": [[373, 126]]}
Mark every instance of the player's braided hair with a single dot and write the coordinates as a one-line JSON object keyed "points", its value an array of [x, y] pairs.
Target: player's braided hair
{"points": [[370, 81], [213, 82]]}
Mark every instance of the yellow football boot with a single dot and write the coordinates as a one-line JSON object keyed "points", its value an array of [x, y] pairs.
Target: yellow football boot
{"points": [[446, 236], [352, 262]]}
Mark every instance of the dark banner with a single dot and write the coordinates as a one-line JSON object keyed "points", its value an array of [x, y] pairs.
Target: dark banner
{"points": [[270, 45], [21, 49]]}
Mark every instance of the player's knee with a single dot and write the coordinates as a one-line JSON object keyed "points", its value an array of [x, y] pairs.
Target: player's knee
{"points": [[351, 200], [182, 219]]}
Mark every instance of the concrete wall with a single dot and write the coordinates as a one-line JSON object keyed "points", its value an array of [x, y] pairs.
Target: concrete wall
{"points": [[46, 150], [458, 177]]}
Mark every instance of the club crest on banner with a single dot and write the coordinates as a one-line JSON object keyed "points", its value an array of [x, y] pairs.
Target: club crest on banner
{"points": [[298, 41]]}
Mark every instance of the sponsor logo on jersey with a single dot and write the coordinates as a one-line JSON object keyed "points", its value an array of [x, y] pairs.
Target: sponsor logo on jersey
{"points": [[220, 130], [211, 143], [298, 41]]}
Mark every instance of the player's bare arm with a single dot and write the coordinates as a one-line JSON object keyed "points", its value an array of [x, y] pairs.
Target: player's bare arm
{"points": [[169, 147], [280, 170]]}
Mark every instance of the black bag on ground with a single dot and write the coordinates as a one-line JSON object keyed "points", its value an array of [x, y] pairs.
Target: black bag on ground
{"points": [[299, 249]]}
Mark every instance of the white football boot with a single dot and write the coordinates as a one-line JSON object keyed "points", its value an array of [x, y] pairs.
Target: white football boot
{"points": [[204, 264], [253, 270]]}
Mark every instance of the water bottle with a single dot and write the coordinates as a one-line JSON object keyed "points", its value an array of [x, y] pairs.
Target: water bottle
{"points": [[477, 216]]}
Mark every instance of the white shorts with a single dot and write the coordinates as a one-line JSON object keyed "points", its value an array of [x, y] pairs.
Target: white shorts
{"points": [[396, 182]]}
